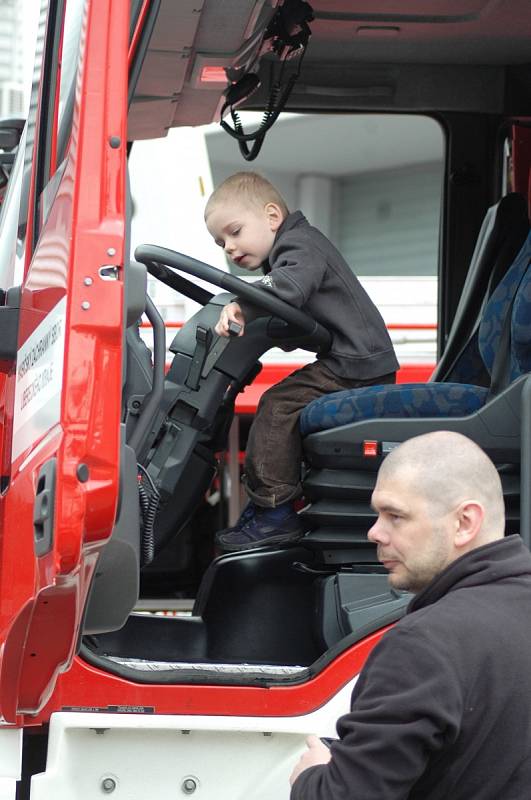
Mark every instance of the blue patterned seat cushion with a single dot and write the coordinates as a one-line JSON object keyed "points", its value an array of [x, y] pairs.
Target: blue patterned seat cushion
{"points": [[398, 400]]}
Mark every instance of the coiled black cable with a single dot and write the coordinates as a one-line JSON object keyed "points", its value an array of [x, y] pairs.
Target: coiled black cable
{"points": [[149, 503], [277, 100]]}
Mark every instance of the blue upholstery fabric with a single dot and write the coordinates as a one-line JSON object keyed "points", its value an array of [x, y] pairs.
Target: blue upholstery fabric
{"points": [[469, 367], [490, 329], [446, 399], [397, 400], [521, 331]]}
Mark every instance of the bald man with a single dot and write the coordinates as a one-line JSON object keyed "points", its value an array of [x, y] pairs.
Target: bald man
{"points": [[442, 707]]}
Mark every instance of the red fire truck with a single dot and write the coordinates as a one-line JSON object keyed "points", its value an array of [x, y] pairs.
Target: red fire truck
{"points": [[106, 456]]}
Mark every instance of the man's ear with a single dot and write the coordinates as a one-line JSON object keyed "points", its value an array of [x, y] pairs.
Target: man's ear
{"points": [[469, 518], [275, 217]]}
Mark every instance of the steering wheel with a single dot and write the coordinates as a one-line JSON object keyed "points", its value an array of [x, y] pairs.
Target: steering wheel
{"points": [[153, 256]]}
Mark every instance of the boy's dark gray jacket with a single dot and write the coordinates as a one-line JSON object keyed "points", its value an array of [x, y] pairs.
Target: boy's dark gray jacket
{"points": [[442, 709], [307, 271]]}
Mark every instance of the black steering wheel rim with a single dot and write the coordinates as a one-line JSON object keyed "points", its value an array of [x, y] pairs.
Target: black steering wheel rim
{"points": [[179, 284], [149, 253]]}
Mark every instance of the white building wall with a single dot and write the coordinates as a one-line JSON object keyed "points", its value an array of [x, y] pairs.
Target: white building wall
{"points": [[11, 58], [388, 220], [170, 183]]}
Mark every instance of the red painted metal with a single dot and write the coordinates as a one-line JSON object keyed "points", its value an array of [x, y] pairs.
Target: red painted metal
{"points": [[247, 401], [414, 373], [137, 33], [521, 158], [42, 599], [411, 326], [85, 686], [391, 326]]}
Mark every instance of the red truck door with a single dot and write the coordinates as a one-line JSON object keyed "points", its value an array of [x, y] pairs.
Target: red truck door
{"points": [[60, 393]]}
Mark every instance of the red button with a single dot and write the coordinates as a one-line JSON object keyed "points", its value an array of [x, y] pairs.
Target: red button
{"points": [[370, 448]]}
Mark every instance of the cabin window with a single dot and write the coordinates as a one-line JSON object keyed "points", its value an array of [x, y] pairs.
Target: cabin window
{"points": [[373, 183], [69, 67], [59, 74]]}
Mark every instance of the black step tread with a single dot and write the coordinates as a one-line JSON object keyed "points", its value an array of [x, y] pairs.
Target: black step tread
{"points": [[356, 484], [339, 512], [343, 536]]}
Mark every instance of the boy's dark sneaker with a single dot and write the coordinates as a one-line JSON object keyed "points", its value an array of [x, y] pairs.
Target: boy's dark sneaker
{"points": [[267, 526], [247, 514]]}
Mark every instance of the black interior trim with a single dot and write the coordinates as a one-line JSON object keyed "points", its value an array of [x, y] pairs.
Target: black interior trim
{"points": [[237, 679], [143, 44]]}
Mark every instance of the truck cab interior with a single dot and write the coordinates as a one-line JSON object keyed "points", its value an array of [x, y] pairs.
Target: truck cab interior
{"points": [[281, 614]]}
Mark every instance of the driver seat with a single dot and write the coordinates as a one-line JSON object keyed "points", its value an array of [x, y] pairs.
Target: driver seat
{"points": [[338, 427], [503, 340]]}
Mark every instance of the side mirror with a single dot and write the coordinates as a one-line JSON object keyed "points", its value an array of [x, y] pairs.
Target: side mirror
{"points": [[10, 135]]}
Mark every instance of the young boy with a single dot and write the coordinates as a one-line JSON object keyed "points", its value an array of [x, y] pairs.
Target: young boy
{"points": [[248, 218]]}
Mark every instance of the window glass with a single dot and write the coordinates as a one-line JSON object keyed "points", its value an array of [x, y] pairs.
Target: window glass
{"points": [[59, 81], [372, 183], [388, 220], [9, 221], [69, 64]]}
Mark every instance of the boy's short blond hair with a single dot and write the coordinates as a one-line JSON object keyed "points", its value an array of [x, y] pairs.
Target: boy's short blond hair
{"points": [[249, 188]]}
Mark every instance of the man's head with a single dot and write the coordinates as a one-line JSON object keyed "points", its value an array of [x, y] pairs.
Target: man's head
{"points": [[437, 496], [243, 215]]}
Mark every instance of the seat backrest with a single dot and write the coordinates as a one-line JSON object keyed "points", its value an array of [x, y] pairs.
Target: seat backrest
{"points": [[502, 234], [511, 296]]}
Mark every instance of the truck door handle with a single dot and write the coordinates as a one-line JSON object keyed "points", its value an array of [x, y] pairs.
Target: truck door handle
{"points": [[44, 508]]}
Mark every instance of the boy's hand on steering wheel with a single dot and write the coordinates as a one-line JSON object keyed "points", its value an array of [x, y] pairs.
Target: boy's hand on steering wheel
{"points": [[230, 313]]}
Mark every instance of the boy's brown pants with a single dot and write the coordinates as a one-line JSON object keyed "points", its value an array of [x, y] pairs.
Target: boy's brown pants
{"points": [[274, 448]]}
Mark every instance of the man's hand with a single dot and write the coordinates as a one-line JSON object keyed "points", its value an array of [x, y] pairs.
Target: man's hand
{"points": [[317, 753], [230, 313]]}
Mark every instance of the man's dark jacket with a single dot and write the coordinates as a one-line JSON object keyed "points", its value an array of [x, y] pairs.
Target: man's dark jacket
{"points": [[308, 272], [442, 708]]}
